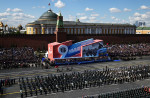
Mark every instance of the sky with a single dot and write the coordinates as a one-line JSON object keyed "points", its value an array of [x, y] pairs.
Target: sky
{"points": [[15, 12]]}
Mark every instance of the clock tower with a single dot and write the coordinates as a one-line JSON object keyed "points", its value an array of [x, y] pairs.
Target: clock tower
{"points": [[60, 33]]}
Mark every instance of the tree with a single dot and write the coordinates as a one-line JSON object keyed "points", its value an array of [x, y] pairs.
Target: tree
{"points": [[18, 32], [25, 32]]}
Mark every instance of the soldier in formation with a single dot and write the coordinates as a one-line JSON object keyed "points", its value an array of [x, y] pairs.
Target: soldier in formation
{"points": [[131, 93], [80, 80]]}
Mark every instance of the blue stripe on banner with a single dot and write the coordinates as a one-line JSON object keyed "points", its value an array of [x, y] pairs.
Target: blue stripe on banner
{"points": [[76, 48]]}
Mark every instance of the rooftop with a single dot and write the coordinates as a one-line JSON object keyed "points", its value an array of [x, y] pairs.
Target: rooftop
{"points": [[143, 28], [50, 18], [49, 15]]}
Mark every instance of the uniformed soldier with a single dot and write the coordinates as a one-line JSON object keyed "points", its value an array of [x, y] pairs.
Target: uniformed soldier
{"points": [[21, 93], [41, 90]]}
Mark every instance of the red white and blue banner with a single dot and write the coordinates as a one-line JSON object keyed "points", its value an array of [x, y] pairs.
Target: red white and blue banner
{"points": [[86, 48]]}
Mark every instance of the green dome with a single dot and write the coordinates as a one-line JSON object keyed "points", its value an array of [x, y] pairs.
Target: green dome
{"points": [[49, 15]]}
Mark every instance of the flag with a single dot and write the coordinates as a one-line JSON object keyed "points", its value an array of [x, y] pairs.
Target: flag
{"points": [[49, 4], [56, 66]]}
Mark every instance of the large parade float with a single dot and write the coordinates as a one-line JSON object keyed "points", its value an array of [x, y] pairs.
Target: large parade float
{"points": [[87, 51]]}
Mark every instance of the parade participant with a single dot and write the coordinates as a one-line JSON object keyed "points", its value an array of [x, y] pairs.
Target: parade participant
{"points": [[88, 78]]}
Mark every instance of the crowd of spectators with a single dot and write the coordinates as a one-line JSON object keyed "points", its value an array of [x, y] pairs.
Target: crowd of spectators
{"points": [[18, 58], [128, 51], [17, 54]]}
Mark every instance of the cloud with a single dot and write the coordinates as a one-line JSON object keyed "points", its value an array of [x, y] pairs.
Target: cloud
{"points": [[117, 20], [94, 15], [92, 21], [114, 18], [59, 4], [80, 14], [17, 10], [2, 19], [114, 10], [70, 18], [140, 17], [143, 7], [8, 10], [127, 10], [83, 18], [5, 14], [22, 15], [88, 9], [15, 16], [137, 14], [92, 18], [13, 10]]}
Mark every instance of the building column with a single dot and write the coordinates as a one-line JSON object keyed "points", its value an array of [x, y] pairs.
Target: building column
{"points": [[51, 30], [103, 31], [47, 31], [83, 31], [79, 31], [133, 31], [100, 32], [96, 31], [35, 30], [117, 31], [90, 31], [76, 30], [73, 31], [128, 31], [43, 30]]}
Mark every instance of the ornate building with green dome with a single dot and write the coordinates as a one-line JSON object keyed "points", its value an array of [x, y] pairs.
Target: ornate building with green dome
{"points": [[46, 24]]}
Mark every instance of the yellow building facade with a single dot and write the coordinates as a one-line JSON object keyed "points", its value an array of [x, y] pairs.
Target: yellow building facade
{"points": [[143, 30], [46, 24]]}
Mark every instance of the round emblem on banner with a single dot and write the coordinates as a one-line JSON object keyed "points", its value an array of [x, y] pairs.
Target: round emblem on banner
{"points": [[62, 49]]}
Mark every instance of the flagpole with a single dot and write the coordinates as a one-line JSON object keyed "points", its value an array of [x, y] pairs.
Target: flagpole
{"points": [[49, 6]]}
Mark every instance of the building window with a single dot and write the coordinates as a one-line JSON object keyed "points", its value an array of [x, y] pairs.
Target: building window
{"points": [[45, 31], [29, 30], [75, 31], [68, 31], [79, 31], [33, 30]]}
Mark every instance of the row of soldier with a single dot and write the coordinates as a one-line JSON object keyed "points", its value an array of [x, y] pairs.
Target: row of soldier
{"points": [[6, 82], [131, 93], [78, 80], [12, 65]]}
